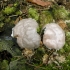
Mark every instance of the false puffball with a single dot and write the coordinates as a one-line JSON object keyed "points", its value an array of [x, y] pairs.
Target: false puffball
{"points": [[54, 36], [26, 33]]}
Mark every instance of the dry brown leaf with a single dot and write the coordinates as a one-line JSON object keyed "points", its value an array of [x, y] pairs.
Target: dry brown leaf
{"points": [[62, 24], [28, 53], [45, 58], [60, 59], [17, 20], [20, 18], [41, 43], [39, 2], [10, 5]]}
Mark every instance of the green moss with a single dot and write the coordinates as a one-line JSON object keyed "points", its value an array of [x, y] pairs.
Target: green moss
{"points": [[67, 48], [10, 47], [16, 4], [66, 65], [1, 17], [38, 29], [68, 25], [4, 65], [9, 10], [7, 20], [59, 12], [46, 17], [32, 12], [18, 12], [68, 38], [68, 57], [2, 26], [61, 51]]}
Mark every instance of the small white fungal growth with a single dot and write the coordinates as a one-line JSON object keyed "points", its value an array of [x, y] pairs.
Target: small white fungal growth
{"points": [[26, 33], [54, 36]]}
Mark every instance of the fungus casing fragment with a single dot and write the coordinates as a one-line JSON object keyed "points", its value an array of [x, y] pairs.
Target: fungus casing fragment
{"points": [[26, 33], [54, 36]]}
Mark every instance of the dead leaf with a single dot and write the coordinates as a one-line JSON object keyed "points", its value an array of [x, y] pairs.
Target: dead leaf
{"points": [[41, 3], [28, 53], [10, 5], [41, 43], [62, 24], [60, 59], [45, 58], [17, 20]]}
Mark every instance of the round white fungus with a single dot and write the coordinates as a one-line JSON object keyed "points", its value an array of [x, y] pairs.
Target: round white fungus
{"points": [[54, 36], [26, 33]]}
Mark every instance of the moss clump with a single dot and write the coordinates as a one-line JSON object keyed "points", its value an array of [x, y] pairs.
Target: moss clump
{"points": [[9, 10], [18, 12], [45, 17], [66, 48], [1, 17], [33, 13], [59, 12], [16, 4], [7, 20], [4, 65], [2, 26]]}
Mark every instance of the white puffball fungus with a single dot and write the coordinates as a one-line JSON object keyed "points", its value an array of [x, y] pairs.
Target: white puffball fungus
{"points": [[26, 33], [54, 36]]}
